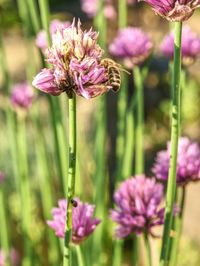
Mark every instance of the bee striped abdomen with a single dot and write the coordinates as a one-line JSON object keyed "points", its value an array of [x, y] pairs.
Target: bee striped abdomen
{"points": [[114, 78], [113, 71]]}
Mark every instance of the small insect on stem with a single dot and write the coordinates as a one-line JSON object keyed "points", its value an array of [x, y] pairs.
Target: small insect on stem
{"points": [[74, 203], [113, 70]]}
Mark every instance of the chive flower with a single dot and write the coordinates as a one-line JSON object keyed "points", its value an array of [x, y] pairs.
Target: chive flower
{"points": [[188, 162], [132, 46], [22, 96], [174, 10], [83, 222], [90, 7], [41, 38], [137, 206], [76, 65], [190, 46]]}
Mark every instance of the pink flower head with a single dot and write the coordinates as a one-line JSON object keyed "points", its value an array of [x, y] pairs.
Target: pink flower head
{"points": [[2, 177], [76, 65], [14, 257], [174, 10], [131, 45], [137, 206], [190, 45], [2, 258], [90, 7], [41, 38], [22, 95], [188, 162], [83, 222]]}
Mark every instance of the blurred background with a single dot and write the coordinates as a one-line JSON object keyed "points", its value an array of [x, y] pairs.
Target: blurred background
{"points": [[22, 59]]}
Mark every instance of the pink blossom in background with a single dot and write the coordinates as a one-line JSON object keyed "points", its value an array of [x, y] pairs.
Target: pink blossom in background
{"points": [[76, 64], [137, 210], [132, 46], [174, 10], [188, 162], [22, 95], [190, 45], [14, 258], [83, 222], [90, 7], [41, 38]]}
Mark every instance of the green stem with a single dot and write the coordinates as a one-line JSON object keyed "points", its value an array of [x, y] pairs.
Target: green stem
{"points": [[117, 255], [24, 189], [31, 4], [4, 227], [148, 249], [71, 177], [44, 11], [127, 165], [122, 99], [175, 129], [178, 229], [122, 13], [80, 257], [139, 131]]}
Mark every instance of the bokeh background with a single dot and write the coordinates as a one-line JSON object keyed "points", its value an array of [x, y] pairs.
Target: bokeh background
{"points": [[157, 103]]}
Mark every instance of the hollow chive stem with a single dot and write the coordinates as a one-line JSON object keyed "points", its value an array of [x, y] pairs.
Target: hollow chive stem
{"points": [[139, 130], [4, 238], [24, 188], [71, 178], [80, 256], [178, 227], [175, 128], [148, 249]]}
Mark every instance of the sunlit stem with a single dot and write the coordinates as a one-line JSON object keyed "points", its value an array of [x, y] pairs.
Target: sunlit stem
{"points": [[139, 130], [175, 129], [71, 178]]}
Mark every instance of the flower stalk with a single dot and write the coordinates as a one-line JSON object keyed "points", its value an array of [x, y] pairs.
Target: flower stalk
{"points": [[139, 130], [4, 226], [178, 227], [175, 128], [148, 249], [71, 177]]}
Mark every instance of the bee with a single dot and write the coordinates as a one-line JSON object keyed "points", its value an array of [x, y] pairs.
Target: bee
{"points": [[113, 69]]}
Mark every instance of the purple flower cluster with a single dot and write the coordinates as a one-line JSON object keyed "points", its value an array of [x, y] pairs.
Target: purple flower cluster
{"points": [[174, 10], [188, 162], [22, 95], [90, 7], [83, 222], [190, 45], [41, 38], [75, 59], [2, 177], [132, 45], [137, 206]]}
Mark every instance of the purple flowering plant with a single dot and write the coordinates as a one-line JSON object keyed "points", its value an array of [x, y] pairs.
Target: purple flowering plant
{"points": [[188, 162], [138, 206], [190, 46], [132, 46], [83, 222], [22, 96], [174, 10], [76, 64]]}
